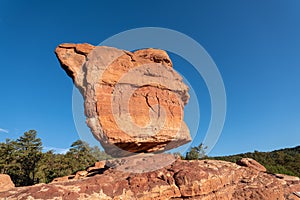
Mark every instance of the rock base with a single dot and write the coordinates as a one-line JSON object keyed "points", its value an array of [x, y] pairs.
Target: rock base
{"points": [[197, 179]]}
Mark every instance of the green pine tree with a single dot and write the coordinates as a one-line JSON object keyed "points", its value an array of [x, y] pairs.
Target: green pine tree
{"points": [[80, 156], [196, 153], [29, 152], [7, 156]]}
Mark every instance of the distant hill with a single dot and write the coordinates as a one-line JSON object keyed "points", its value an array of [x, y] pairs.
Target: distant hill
{"points": [[283, 161]]}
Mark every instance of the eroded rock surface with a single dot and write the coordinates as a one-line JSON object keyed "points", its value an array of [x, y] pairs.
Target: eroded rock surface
{"points": [[133, 101], [205, 180]]}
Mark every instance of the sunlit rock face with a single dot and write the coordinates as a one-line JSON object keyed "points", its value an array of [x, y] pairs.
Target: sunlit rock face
{"points": [[133, 101]]}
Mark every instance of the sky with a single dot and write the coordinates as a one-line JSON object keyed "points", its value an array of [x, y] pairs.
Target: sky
{"points": [[255, 45]]}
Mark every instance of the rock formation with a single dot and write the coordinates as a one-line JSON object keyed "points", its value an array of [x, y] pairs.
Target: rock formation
{"points": [[134, 104], [133, 101], [197, 179]]}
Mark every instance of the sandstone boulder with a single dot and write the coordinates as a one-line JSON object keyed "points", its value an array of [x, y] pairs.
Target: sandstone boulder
{"points": [[98, 166], [133, 101], [81, 174], [5, 183]]}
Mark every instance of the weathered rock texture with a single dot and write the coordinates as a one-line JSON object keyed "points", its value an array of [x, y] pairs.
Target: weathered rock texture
{"points": [[5, 182], [205, 180], [133, 101]]}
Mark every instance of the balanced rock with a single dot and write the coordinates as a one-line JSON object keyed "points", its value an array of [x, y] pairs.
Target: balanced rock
{"points": [[133, 101]]}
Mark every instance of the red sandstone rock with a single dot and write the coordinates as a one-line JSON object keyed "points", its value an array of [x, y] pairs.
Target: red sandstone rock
{"points": [[205, 180], [98, 166], [80, 174], [5, 182], [287, 177], [251, 163], [133, 101]]}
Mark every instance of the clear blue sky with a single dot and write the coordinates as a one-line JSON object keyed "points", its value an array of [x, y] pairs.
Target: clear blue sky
{"points": [[255, 44]]}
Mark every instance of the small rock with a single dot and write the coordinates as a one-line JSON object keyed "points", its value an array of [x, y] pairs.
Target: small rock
{"points": [[287, 177], [5, 183], [98, 165], [80, 174], [297, 194], [251, 163]]}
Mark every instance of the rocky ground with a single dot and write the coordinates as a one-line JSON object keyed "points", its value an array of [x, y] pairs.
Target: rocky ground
{"points": [[182, 179]]}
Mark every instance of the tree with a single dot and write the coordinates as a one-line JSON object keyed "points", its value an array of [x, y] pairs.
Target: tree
{"points": [[29, 152], [178, 155], [52, 165], [196, 153], [80, 156], [284, 161], [98, 154], [7, 156]]}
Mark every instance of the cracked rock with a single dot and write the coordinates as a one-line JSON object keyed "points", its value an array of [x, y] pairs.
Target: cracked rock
{"points": [[134, 101]]}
